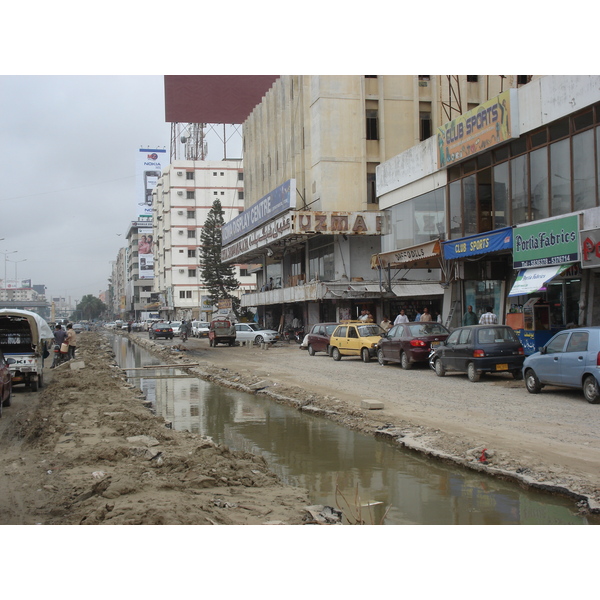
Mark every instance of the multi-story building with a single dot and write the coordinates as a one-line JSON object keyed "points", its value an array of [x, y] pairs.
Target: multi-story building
{"points": [[140, 269], [182, 200], [312, 218], [119, 285], [511, 193]]}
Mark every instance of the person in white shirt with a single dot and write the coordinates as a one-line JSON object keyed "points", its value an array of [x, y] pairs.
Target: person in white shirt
{"points": [[401, 318], [488, 317]]}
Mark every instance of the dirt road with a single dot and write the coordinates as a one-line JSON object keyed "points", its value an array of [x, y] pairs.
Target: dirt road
{"points": [[550, 440]]}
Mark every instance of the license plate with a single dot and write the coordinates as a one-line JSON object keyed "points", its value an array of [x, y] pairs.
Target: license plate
{"points": [[502, 367], [435, 344]]}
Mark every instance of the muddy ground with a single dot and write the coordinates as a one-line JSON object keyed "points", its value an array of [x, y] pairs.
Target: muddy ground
{"points": [[549, 441], [85, 450]]}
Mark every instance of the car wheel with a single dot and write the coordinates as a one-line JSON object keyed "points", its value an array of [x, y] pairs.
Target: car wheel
{"points": [[231, 342], [532, 383], [365, 355], [439, 369], [517, 374], [149, 335], [259, 339], [311, 350], [329, 350], [335, 354], [41, 380], [405, 362], [590, 390], [34, 385], [380, 358], [472, 373]]}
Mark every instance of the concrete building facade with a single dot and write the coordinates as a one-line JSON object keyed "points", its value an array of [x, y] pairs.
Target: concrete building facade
{"points": [[182, 200], [324, 137]]}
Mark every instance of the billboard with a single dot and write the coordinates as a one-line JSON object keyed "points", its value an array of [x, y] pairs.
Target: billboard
{"points": [[489, 124], [149, 167], [145, 254]]}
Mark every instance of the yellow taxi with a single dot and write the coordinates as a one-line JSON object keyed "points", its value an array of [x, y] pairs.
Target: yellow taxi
{"points": [[355, 338]]}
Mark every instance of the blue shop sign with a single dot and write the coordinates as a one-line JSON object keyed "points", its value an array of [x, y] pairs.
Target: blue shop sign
{"points": [[482, 243]]}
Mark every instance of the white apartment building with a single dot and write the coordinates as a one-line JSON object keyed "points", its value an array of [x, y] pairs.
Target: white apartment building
{"points": [[182, 200]]}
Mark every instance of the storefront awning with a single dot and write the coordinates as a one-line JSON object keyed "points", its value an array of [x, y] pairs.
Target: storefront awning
{"points": [[532, 280], [405, 290], [422, 256]]}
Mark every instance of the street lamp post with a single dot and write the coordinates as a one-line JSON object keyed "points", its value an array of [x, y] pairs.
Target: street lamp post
{"points": [[16, 262], [5, 261]]}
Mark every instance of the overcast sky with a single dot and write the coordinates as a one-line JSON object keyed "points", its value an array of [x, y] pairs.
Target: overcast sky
{"points": [[68, 155]]}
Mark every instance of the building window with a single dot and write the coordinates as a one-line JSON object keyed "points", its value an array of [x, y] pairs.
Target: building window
{"points": [[244, 273], [222, 174], [189, 175], [191, 272], [424, 125], [190, 194], [371, 189], [240, 195], [424, 77], [222, 193], [191, 233], [371, 76], [240, 176], [191, 214], [472, 78], [214, 173], [522, 79], [188, 294], [181, 294], [191, 254], [215, 193], [372, 129]]}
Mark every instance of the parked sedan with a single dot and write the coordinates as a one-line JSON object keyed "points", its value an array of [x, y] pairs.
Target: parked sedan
{"points": [[317, 339], [408, 343], [5, 383], [158, 330], [200, 328], [478, 349], [570, 359], [253, 333]]}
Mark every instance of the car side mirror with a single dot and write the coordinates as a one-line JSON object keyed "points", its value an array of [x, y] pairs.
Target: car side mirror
{"points": [[542, 350], [10, 361]]}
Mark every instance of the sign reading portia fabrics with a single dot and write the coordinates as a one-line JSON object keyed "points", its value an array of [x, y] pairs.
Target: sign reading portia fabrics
{"points": [[546, 243]]}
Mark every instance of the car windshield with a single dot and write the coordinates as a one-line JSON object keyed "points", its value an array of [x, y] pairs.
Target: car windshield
{"points": [[175, 323], [329, 329], [496, 335], [427, 329], [369, 330]]}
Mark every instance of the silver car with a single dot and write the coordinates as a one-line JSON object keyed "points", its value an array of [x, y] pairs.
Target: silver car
{"points": [[570, 359], [252, 332]]}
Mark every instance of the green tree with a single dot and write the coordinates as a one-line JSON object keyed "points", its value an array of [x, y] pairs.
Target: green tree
{"points": [[90, 307], [218, 278]]}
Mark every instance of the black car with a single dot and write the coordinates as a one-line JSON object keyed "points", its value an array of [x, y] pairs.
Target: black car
{"points": [[409, 343], [478, 349], [159, 330]]}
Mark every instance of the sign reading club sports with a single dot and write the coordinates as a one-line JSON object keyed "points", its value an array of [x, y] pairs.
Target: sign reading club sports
{"points": [[546, 243]]}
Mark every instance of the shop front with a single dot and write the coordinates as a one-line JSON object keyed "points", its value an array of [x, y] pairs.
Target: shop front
{"points": [[480, 265], [546, 294]]}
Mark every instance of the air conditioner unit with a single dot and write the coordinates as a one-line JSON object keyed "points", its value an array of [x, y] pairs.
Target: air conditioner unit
{"points": [[180, 173], [182, 270], [179, 192], [180, 232], [179, 212]]}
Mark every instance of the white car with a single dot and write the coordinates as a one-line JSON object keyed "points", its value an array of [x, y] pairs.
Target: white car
{"points": [[175, 326], [200, 328], [252, 332]]}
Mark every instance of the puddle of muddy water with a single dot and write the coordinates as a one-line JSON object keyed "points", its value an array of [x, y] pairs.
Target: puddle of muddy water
{"points": [[368, 479]]}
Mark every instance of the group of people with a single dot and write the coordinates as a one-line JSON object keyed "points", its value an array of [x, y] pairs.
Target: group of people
{"points": [[69, 338], [469, 318]]}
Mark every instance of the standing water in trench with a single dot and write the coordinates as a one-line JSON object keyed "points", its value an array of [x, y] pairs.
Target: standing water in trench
{"points": [[368, 479]]}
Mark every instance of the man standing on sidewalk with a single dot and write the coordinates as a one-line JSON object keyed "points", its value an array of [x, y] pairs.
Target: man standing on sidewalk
{"points": [[488, 317], [71, 340]]}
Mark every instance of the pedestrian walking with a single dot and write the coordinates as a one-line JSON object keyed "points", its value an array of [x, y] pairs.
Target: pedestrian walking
{"points": [[426, 316], [488, 317], [72, 341], [401, 318], [386, 324], [469, 318]]}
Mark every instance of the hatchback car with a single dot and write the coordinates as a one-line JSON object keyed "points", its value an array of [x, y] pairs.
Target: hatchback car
{"points": [[317, 339], [200, 329], [160, 330], [252, 332], [409, 343], [355, 338], [478, 349], [570, 359], [5, 383]]}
